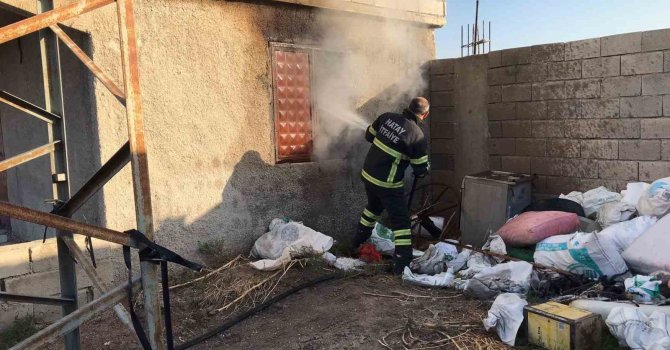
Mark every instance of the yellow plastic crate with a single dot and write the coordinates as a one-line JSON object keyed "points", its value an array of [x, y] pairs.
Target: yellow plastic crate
{"points": [[555, 326]]}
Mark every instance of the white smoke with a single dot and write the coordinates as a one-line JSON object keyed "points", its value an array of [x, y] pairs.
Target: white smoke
{"points": [[367, 66]]}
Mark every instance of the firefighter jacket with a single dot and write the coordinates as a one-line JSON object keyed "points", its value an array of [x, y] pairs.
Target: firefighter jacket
{"points": [[397, 141]]}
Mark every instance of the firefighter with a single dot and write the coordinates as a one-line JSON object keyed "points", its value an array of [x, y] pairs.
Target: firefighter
{"points": [[397, 141]]}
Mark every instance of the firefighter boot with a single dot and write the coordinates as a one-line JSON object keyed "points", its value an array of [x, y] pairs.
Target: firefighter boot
{"points": [[359, 238], [401, 258]]}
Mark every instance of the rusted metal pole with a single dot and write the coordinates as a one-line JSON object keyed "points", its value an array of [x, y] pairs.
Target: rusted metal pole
{"points": [[105, 79], [60, 183], [27, 156], [139, 164], [97, 281], [117, 162], [48, 18], [27, 107], [72, 321], [66, 224]]}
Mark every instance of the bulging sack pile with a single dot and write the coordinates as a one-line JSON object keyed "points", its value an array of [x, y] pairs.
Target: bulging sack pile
{"points": [[532, 227]]}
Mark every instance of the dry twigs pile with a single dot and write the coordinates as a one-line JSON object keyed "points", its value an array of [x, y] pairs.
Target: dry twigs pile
{"points": [[446, 335]]}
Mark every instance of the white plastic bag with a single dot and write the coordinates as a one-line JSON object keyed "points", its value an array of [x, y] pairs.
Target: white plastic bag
{"points": [[460, 261], [643, 289], [593, 199], [636, 330], [615, 212], [495, 244], [633, 192], [581, 253], [476, 263], [441, 280], [623, 234], [506, 315], [382, 239], [344, 264], [285, 241], [651, 251], [450, 251], [510, 277], [655, 200], [433, 261]]}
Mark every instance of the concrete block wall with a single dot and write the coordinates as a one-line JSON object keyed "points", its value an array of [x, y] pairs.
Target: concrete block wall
{"points": [[443, 148], [32, 269], [580, 114]]}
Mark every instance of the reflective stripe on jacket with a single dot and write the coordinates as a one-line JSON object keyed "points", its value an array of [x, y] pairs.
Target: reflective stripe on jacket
{"points": [[397, 141]]}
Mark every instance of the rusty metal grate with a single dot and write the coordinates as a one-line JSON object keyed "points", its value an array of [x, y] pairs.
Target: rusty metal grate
{"points": [[292, 105]]}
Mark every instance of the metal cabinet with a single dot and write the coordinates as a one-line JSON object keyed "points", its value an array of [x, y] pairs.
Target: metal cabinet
{"points": [[489, 199]]}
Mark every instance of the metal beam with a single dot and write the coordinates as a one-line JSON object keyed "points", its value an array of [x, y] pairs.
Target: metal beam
{"points": [[117, 162], [139, 164], [46, 19], [60, 175], [20, 298], [66, 224], [105, 79], [72, 321], [97, 281], [27, 107], [27, 156]]}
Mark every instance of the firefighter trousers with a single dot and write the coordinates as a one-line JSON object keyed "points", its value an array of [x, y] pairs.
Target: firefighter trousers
{"points": [[393, 201]]}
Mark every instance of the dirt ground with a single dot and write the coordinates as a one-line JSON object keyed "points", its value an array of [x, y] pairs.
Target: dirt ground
{"points": [[356, 312]]}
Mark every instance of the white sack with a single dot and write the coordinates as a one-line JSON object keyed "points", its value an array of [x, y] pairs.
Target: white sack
{"points": [[643, 289], [433, 261], [285, 241], [460, 261], [450, 251], [614, 212], [623, 234], [651, 251], [593, 199], [580, 253], [506, 315], [382, 239], [633, 192], [441, 280], [655, 200], [476, 263], [636, 330], [495, 244], [510, 277], [438, 221]]}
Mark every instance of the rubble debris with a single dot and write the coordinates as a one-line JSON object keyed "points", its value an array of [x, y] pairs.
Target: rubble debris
{"points": [[532, 227], [506, 316], [634, 329]]}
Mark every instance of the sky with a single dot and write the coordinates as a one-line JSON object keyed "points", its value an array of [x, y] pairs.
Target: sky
{"points": [[517, 23]]}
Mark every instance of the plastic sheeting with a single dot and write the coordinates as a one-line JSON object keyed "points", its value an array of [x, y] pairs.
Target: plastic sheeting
{"points": [[506, 315]]}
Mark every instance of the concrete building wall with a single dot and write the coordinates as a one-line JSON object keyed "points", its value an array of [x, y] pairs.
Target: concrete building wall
{"points": [[206, 83], [578, 114]]}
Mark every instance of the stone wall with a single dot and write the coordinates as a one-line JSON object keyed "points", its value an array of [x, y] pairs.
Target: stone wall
{"points": [[578, 114]]}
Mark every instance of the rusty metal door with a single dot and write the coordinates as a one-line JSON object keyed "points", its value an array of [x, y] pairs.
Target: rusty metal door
{"points": [[292, 104]]}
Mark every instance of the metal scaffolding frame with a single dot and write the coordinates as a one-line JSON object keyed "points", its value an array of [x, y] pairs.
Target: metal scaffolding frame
{"points": [[46, 22]]}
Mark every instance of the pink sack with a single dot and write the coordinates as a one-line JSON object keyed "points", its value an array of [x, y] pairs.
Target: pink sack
{"points": [[532, 227]]}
